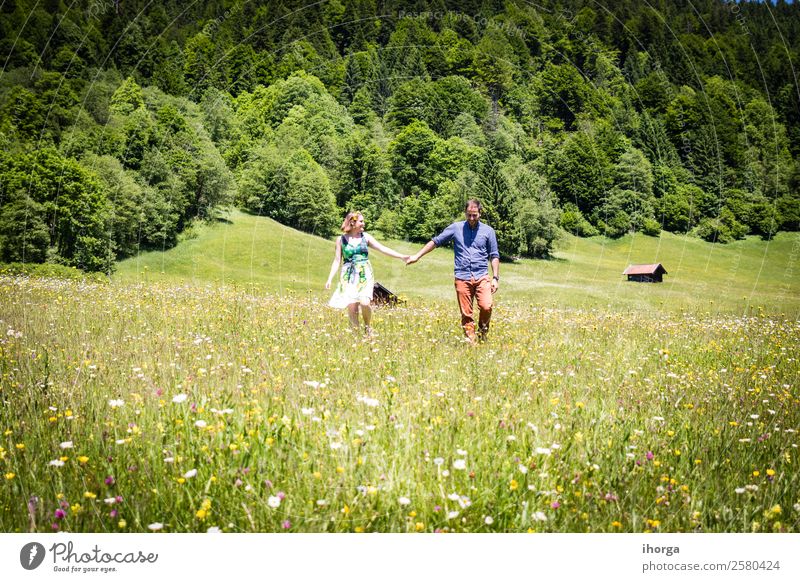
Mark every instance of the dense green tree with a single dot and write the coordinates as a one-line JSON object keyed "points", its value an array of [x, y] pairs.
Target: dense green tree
{"points": [[580, 173], [169, 68], [634, 172], [465, 127], [24, 236], [453, 96], [218, 115], [624, 211], [499, 201], [127, 98], [361, 107], [410, 152], [410, 102], [309, 197], [562, 94], [724, 228], [202, 67], [24, 115], [494, 63], [70, 202], [294, 190], [675, 213], [360, 72], [457, 53], [365, 178], [535, 211], [451, 157], [573, 221], [653, 92]]}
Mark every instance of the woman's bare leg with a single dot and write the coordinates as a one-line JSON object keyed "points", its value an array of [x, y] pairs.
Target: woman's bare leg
{"points": [[366, 313], [352, 313]]}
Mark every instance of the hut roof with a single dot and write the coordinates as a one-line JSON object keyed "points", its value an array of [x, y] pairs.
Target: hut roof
{"points": [[645, 269]]}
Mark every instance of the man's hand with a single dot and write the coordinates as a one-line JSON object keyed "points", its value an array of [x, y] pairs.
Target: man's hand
{"points": [[412, 259], [495, 282]]}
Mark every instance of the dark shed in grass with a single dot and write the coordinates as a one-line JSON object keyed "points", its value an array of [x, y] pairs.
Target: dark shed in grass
{"points": [[645, 273], [382, 296]]}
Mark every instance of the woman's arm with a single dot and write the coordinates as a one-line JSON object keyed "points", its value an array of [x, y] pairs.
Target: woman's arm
{"points": [[337, 258], [385, 250], [421, 253]]}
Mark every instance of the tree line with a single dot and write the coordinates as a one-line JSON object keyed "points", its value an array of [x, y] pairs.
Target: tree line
{"points": [[121, 122]]}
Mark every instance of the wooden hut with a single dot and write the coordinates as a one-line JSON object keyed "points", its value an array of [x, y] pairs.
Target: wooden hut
{"points": [[645, 273], [382, 296]]}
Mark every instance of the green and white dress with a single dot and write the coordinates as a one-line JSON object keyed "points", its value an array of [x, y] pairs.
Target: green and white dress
{"points": [[356, 279]]}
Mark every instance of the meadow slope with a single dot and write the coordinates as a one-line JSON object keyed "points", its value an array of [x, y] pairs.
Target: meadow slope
{"points": [[259, 254]]}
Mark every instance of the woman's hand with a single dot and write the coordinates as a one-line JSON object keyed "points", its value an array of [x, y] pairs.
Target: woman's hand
{"points": [[405, 258], [328, 284], [412, 259]]}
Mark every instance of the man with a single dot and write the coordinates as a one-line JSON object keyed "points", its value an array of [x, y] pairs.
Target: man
{"points": [[475, 244]]}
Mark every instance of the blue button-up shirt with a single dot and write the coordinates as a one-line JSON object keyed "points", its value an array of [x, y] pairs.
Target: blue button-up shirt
{"points": [[473, 248]]}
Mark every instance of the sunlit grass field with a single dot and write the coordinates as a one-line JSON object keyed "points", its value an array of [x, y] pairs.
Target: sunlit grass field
{"points": [[224, 394], [257, 254]]}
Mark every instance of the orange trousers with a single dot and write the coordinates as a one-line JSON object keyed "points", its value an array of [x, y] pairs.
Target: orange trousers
{"points": [[466, 293]]}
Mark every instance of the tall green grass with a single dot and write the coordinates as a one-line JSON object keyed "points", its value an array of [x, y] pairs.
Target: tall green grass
{"points": [[188, 407], [209, 386]]}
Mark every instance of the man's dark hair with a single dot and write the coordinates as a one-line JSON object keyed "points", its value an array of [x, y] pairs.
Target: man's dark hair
{"points": [[473, 202]]}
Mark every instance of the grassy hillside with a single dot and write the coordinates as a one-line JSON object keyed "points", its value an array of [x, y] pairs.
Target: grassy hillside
{"points": [[260, 254]]}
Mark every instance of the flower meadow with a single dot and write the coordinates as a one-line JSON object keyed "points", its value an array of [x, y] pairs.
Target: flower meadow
{"points": [[154, 407]]}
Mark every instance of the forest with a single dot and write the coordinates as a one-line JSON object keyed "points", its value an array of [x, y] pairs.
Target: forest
{"points": [[122, 122]]}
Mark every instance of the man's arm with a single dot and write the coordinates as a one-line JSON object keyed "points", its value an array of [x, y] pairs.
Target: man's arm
{"points": [[429, 246], [495, 274], [446, 235], [494, 256]]}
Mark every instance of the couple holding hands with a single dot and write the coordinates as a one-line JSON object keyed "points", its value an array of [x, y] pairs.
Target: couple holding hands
{"points": [[475, 247]]}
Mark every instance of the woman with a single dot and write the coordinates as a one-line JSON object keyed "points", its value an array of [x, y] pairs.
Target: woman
{"points": [[356, 279]]}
